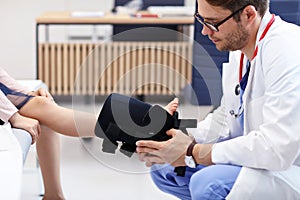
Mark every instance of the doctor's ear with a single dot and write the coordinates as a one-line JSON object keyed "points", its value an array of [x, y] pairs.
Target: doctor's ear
{"points": [[249, 13]]}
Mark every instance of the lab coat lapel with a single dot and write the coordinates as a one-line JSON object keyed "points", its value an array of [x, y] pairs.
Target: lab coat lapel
{"points": [[247, 96]]}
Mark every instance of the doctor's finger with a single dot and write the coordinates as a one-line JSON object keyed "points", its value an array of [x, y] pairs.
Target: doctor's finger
{"points": [[145, 150], [144, 156], [172, 132], [150, 144], [154, 159], [141, 156], [149, 164]]}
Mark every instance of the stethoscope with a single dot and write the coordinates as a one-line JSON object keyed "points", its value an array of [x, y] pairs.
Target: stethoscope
{"points": [[237, 89]]}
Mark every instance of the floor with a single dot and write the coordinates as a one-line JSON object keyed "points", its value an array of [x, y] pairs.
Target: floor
{"points": [[88, 173]]}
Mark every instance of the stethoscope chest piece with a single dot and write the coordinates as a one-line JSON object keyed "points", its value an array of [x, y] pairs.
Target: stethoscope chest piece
{"points": [[237, 89]]}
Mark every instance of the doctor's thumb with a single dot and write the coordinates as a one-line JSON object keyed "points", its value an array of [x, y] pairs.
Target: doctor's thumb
{"points": [[172, 132]]}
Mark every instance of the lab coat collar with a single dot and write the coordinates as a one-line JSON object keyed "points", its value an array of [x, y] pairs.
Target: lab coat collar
{"points": [[263, 24]]}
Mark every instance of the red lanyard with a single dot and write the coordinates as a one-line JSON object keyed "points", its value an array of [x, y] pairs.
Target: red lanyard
{"points": [[256, 48]]}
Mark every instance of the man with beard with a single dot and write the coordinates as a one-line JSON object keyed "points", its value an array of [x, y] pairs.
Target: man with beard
{"points": [[248, 148]]}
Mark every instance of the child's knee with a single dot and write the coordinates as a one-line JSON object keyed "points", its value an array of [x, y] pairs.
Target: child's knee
{"points": [[41, 102]]}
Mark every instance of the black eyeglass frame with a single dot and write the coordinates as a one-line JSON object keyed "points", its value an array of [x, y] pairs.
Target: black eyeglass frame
{"points": [[215, 27]]}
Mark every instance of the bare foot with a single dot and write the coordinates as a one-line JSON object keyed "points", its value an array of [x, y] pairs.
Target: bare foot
{"points": [[172, 106]]}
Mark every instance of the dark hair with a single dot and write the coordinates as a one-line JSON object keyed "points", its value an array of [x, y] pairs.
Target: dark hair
{"points": [[233, 5]]}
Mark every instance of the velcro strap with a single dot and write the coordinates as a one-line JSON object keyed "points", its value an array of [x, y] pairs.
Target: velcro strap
{"points": [[112, 132]]}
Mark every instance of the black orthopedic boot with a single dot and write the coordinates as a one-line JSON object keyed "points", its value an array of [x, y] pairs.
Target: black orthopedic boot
{"points": [[126, 120]]}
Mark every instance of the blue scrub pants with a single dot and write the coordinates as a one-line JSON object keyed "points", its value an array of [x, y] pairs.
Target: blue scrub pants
{"points": [[211, 182]]}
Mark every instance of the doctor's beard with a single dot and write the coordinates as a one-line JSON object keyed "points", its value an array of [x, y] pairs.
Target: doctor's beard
{"points": [[235, 40]]}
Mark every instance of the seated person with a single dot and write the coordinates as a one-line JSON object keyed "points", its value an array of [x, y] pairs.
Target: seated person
{"points": [[37, 113]]}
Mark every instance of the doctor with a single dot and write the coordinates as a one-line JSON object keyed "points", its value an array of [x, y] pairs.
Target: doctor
{"points": [[249, 147]]}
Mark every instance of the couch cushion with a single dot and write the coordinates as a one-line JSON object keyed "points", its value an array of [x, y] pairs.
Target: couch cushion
{"points": [[24, 139]]}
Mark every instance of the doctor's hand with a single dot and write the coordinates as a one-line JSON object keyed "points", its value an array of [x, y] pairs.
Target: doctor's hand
{"points": [[171, 151], [28, 124]]}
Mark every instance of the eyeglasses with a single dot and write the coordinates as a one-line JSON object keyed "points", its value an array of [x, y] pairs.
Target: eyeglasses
{"points": [[215, 27]]}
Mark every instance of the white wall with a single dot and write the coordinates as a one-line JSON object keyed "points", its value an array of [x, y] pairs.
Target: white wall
{"points": [[190, 2], [17, 35]]}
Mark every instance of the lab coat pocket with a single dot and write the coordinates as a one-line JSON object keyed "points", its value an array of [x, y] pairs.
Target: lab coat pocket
{"points": [[254, 113]]}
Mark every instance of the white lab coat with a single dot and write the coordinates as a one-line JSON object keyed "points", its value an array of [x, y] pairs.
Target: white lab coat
{"points": [[269, 148]]}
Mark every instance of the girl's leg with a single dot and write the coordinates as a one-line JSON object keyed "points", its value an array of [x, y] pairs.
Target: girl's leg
{"points": [[67, 121], [48, 150], [62, 120]]}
